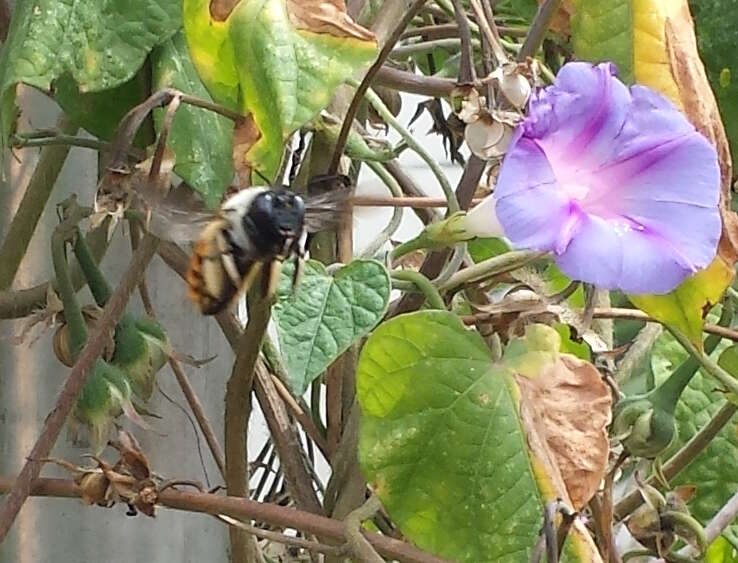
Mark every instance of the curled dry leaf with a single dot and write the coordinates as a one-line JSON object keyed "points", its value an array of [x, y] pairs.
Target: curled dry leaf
{"points": [[567, 408], [245, 135], [700, 106], [131, 455], [62, 351]]}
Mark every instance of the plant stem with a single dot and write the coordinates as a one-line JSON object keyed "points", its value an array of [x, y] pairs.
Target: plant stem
{"points": [[244, 509], [73, 385], [538, 27], [14, 246], [491, 267], [386, 115], [432, 296], [21, 303], [237, 412], [384, 235], [99, 286], [361, 548], [353, 108], [199, 412], [708, 364], [72, 311]]}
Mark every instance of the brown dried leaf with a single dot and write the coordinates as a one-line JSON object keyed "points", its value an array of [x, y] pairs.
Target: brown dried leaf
{"points": [[560, 21], [246, 133], [569, 408], [131, 455], [326, 16], [700, 106]]}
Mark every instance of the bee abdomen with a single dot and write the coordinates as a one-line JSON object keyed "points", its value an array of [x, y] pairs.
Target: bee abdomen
{"points": [[209, 285]]}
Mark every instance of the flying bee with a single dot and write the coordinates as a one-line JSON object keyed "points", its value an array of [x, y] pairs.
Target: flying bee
{"points": [[254, 230]]}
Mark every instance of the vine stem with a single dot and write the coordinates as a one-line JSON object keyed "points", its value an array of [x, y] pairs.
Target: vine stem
{"points": [[361, 88], [386, 233], [538, 27], [386, 115], [73, 385], [491, 267], [246, 509], [432, 296], [35, 198], [237, 413]]}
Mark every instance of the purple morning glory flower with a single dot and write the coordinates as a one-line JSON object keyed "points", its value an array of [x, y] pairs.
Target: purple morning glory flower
{"points": [[614, 181]]}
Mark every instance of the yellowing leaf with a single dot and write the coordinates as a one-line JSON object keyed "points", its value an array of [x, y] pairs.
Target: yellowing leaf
{"points": [[278, 62], [684, 308], [456, 446]]}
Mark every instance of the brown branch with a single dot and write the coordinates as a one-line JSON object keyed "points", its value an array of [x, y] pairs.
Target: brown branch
{"points": [[353, 108], [245, 509], [287, 443], [414, 83], [73, 385], [538, 27], [410, 188], [285, 539], [238, 411], [199, 412]]}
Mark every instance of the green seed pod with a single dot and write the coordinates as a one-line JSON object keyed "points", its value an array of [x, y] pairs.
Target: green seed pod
{"points": [[141, 349], [643, 425], [105, 396]]}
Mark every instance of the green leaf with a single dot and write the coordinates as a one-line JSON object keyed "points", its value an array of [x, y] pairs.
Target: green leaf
{"points": [[201, 139], [716, 22], [276, 62], [326, 315], [444, 443], [684, 307], [481, 249], [101, 44], [602, 30], [721, 551], [100, 113]]}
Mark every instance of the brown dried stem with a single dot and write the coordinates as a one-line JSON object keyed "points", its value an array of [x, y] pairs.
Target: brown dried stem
{"points": [[245, 509]]}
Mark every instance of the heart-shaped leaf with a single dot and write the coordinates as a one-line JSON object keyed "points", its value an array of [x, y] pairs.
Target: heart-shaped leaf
{"points": [[454, 446], [201, 139], [101, 44], [326, 315], [277, 61]]}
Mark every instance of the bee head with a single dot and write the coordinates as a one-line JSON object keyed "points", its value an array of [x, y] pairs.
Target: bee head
{"points": [[274, 221]]}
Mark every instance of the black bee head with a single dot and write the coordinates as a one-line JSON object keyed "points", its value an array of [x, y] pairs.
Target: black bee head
{"points": [[274, 221]]}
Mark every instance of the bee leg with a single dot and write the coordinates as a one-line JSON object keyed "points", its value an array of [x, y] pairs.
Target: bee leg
{"points": [[271, 279], [299, 252]]}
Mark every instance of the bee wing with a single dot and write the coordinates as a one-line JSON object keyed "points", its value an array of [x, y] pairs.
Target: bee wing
{"points": [[324, 211], [178, 217]]}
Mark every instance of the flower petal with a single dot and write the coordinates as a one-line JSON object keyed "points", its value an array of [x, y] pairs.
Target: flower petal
{"points": [[530, 205], [615, 257], [581, 114]]}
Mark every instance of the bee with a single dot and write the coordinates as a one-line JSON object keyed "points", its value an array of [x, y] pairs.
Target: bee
{"points": [[254, 231]]}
